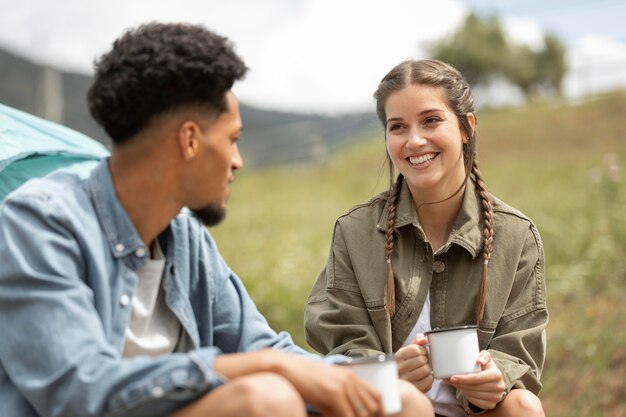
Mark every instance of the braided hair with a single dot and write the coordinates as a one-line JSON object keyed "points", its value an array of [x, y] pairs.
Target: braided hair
{"points": [[459, 98]]}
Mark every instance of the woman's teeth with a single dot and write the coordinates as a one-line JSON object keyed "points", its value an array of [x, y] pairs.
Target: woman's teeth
{"points": [[416, 160]]}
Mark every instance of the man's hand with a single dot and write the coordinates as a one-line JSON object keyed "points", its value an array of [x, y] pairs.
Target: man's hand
{"points": [[413, 365], [484, 389], [334, 390]]}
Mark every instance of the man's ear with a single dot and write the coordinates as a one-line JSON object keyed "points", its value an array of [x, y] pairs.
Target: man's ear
{"points": [[189, 139]]}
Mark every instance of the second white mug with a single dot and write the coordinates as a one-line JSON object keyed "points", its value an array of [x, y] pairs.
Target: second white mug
{"points": [[453, 351]]}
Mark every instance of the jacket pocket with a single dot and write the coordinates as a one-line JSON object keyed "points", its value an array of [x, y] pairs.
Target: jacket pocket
{"points": [[485, 335], [382, 325]]}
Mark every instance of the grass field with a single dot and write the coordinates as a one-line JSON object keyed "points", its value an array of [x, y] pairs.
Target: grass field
{"points": [[557, 162]]}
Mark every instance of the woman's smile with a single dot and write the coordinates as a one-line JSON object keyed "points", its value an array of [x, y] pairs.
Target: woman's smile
{"points": [[421, 161]]}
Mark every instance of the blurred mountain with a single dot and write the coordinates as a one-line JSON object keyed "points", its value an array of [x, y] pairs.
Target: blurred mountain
{"points": [[269, 138]]}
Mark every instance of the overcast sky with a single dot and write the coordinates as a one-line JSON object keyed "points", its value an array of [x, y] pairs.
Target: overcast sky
{"points": [[311, 55]]}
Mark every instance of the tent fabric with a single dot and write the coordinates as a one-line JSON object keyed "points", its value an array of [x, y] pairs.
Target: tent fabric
{"points": [[33, 147]]}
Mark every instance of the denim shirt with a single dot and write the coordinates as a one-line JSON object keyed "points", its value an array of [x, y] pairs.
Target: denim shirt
{"points": [[68, 260]]}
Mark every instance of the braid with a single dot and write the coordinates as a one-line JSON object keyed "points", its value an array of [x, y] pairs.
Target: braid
{"points": [[392, 201], [487, 241]]}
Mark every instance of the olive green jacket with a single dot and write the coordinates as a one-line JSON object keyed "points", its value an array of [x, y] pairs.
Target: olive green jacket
{"points": [[346, 311]]}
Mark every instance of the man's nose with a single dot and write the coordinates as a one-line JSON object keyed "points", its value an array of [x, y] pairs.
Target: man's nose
{"points": [[237, 161]]}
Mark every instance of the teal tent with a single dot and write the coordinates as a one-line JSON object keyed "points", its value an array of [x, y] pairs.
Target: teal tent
{"points": [[33, 147]]}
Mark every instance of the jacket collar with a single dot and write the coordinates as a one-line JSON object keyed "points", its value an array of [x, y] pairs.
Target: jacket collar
{"points": [[467, 228], [120, 231]]}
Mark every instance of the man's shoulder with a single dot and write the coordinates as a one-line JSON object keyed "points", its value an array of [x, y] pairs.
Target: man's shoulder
{"points": [[54, 191], [53, 210]]}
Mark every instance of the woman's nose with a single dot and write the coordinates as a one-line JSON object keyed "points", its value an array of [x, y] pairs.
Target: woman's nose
{"points": [[415, 139]]}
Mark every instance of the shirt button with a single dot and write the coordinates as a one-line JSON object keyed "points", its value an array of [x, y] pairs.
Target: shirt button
{"points": [[157, 392], [119, 247], [140, 252], [439, 267], [124, 300]]}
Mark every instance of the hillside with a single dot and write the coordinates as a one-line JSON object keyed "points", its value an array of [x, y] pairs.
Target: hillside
{"points": [[557, 162], [269, 138]]}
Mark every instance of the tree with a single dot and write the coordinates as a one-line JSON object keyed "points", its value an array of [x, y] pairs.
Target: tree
{"points": [[551, 63], [476, 49], [521, 69], [480, 51]]}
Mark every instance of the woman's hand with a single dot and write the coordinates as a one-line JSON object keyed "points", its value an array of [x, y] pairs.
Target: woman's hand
{"points": [[413, 365], [484, 389]]}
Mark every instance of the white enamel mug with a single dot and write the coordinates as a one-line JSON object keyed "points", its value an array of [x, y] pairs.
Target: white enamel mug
{"points": [[381, 372], [453, 351]]}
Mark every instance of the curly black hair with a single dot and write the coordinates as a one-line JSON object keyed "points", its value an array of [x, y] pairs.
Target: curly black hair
{"points": [[158, 67]]}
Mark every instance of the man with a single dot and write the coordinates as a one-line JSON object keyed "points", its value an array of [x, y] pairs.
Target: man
{"points": [[114, 298]]}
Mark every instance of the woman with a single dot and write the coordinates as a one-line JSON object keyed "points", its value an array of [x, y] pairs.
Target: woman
{"points": [[436, 250]]}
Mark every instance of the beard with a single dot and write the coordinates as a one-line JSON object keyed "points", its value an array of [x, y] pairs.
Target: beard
{"points": [[210, 215]]}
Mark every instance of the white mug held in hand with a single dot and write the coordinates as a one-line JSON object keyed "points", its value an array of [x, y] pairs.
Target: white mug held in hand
{"points": [[381, 372], [453, 351]]}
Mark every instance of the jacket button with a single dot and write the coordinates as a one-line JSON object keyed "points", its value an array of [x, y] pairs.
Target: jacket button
{"points": [[157, 392], [124, 300], [439, 267]]}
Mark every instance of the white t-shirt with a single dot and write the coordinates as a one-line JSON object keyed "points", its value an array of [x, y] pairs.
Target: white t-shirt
{"points": [[440, 395], [153, 329]]}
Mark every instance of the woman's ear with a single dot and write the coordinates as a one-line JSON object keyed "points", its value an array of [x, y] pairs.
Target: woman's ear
{"points": [[471, 120], [189, 139]]}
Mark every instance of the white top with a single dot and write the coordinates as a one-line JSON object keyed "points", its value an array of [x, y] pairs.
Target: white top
{"points": [[440, 395], [153, 329]]}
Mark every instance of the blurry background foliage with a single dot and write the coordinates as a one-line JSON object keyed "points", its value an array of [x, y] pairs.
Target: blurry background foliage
{"points": [[480, 50], [561, 163]]}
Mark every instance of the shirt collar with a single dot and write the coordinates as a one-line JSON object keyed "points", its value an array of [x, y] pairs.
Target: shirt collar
{"points": [[120, 231], [467, 228]]}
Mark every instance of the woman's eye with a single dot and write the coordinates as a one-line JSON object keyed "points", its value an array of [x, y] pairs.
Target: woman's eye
{"points": [[431, 120], [395, 127]]}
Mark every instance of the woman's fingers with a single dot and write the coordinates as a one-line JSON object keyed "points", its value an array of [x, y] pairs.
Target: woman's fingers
{"points": [[485, 388], [484, 359], [410, 351]]}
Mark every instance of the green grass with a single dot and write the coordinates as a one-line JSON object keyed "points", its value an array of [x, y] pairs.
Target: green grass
{"points": [[548, 160]]}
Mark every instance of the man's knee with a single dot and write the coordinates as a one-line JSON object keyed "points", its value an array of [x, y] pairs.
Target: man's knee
{"points": [[268, 394], [526, 402]]}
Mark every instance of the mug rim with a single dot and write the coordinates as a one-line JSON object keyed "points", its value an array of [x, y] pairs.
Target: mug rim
{"points": [[359, 360], [448, 329]]}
